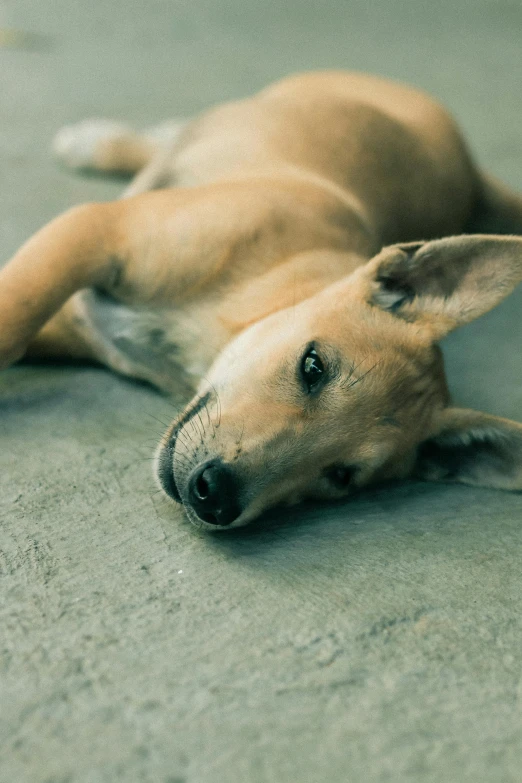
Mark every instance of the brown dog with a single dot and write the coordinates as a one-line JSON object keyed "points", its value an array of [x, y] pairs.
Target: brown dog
{"points": [[257, 266]]}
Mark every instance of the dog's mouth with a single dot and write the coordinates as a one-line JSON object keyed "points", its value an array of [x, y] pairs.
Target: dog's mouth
{"points": [[208, 488], [165, 464], [165, 471]]}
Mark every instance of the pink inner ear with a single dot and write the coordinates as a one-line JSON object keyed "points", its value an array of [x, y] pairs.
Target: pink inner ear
{"points": [[391, 293], [410, 247]]}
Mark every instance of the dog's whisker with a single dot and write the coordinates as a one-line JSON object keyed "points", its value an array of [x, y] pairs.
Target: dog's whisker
{"points": [[186, 458], [355, 367], [210, 422], [185, 463], [184, 434], [216, 394], [202, 425], [361, 377], [163, 423], [185, 439]]}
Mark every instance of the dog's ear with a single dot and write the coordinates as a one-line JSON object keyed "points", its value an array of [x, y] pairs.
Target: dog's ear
{"points": [[473, 448], [444, 283]]}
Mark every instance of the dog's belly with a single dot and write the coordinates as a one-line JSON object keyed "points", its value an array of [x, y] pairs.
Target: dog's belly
{"points": [[171, 348]]}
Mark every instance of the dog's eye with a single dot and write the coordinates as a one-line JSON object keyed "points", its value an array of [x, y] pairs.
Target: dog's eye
{"points": [[312, 370], [340, 475]]}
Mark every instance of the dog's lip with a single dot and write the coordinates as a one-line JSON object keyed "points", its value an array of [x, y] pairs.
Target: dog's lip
{"points": [[173, 487], [165, 471]]}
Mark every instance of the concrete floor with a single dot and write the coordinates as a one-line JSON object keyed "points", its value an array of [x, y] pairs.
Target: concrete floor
{"points": [[379, 640]]}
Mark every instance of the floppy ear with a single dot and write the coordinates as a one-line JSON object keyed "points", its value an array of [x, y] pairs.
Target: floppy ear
{"points": [[473, 448], [444, 283]]}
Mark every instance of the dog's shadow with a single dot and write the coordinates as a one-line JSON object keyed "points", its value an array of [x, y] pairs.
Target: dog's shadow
{"points": [[321, 534]]}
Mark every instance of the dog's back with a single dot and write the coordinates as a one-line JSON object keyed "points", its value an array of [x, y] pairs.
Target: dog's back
{"points": [[391, 148]]}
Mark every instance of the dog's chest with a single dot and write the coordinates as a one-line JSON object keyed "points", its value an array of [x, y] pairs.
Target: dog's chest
{"points": [[169, 347]]}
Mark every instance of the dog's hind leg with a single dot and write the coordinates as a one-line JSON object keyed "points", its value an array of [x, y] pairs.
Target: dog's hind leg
{"points": [[498, 209], [108, 146]]}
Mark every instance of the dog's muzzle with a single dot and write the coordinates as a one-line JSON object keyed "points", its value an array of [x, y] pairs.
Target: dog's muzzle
{"points": [[210, 492]]}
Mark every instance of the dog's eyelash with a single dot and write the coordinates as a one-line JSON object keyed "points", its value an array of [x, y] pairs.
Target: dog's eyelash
{"points": [[351, 379]]}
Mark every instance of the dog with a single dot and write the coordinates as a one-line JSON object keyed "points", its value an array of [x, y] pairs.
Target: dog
{"points": [[292, 260]]}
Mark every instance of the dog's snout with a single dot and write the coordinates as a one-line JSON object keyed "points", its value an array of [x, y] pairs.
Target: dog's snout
{"points": [[213, 493]]}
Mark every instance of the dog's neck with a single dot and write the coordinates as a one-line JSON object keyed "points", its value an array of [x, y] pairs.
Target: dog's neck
{"points": [[300, 277]]}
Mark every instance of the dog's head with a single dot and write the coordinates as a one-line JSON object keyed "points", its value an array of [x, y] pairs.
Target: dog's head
{"points": [[347, 388]]}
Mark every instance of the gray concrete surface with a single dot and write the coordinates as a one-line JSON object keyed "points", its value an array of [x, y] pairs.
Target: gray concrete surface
{"points": [[378, 640]]}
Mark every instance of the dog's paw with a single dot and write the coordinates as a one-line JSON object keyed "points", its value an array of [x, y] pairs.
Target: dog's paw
{"points": [[165, 134], [78, 146]]}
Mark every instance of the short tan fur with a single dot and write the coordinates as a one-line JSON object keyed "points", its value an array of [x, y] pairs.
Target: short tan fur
{"points": [[293, 259]]}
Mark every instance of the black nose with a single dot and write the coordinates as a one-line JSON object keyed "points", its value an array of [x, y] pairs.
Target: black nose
{"points": [[213, 493]]}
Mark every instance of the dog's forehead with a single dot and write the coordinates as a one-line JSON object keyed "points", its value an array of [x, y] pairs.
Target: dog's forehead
{"points": [[367, 401], [380, 375]]}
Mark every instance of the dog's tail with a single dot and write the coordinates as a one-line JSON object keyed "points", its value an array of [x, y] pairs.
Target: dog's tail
{"points": [[498, 209]]}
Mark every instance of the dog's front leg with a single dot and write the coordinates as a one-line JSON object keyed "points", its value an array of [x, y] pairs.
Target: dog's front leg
{"points": [[161, 249], [76, 250]]}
